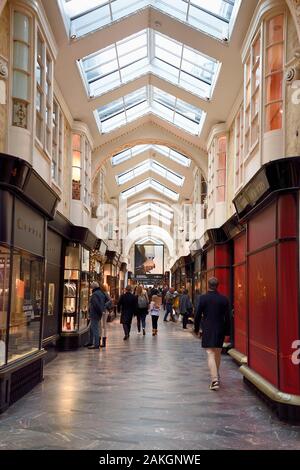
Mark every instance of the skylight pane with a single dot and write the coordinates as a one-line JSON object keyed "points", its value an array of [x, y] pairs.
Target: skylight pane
{"points": [[153, 184], [129, 59], [214, 17]]}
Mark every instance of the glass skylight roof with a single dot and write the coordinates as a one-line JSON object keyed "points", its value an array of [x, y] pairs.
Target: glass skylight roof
{"points": [[153, 215], [145, 240], [158, 208], [150, 99], [213, 17], [150, 183], [160, 149], [144, 52], [150, 165]]}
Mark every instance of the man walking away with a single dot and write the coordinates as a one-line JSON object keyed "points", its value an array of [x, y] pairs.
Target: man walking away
{"points": [[96, 309], [127, 305], [213, 313], [185, 308]]}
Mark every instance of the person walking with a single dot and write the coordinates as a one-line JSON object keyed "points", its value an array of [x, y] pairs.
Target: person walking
{"points": [[127, 305], [185, 308], [142, 308], [213, 314], [154, 312], [170, 297], [104, 317], [97, 306]]}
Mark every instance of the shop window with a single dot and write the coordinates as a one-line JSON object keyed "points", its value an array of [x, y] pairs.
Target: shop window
{"points": [[26, 305], [76, 289], [44, 94], [76, 167], [4, 298], [221, 169], [211, 177], [274, 73], [57, 143], [87, 174], [252, 96], [239, 148], [81, 169], [51, 299], [21, 69]]}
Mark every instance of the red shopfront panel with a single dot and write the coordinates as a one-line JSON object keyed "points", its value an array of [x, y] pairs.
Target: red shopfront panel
{"points": [[239, 298], [222, 271], [210, 259], [262, 229], [240, 249], [240, 309], [287, 216], [288, 282], [262, 291]]}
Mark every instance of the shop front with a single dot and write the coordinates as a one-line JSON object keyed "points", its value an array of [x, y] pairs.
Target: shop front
{"points": [[76, 288], [26, 204], [111, 274], [269, 207]]}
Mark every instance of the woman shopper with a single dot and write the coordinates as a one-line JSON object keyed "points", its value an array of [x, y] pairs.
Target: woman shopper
{"points": [[142, 308], [105, 314], [154, 312], [185, 308]]}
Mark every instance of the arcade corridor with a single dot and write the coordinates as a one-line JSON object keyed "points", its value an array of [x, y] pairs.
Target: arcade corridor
{"points": [[148, 393]]}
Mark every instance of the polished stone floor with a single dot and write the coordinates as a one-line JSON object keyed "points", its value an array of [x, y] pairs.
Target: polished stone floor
{"points": [[147, 393]]}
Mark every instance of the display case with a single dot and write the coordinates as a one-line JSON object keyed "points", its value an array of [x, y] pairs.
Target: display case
{"points": [[76, 289]]}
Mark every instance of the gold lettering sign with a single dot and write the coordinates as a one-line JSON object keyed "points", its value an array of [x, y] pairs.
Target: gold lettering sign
{"points": [[28, 228]]}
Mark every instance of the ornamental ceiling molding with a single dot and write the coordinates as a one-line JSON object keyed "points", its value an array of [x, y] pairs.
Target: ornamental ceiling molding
{"points": [[167, 139]]}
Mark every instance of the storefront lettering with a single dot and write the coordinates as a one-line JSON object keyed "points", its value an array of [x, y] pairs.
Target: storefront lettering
{"points": [[28, 228]]}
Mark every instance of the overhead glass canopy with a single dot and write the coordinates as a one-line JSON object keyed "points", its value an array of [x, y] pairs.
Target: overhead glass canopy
{"points": [[158, 208], [213, 17], [154, 215], [150, 99], [145, 240], [150, 165], [144, 52], [167, 152], [150, 183]]}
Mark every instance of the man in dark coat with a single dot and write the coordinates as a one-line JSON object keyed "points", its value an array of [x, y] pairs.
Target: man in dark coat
{"points": [[213, 313], [127, 305]]}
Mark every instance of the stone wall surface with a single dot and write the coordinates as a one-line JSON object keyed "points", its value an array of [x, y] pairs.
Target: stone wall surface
{"points": [[4, 53]]}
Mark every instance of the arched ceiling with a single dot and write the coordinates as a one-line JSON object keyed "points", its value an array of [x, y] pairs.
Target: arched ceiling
{"points": [[148, 105]]}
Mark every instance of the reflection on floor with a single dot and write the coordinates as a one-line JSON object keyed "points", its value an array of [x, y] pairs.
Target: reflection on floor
{"points": [[147, 393]]}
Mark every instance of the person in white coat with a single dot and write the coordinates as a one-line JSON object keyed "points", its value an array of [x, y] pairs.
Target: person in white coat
{"points": [[154, 310]]}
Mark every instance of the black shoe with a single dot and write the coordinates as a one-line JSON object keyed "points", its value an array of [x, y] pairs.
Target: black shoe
{"points": [[86, 345], [144, 332], [125, 337], [103, 345], [215, 385], [93, 347]]}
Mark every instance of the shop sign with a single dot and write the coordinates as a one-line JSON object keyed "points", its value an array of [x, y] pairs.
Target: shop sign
{"points": [[28, 229]]}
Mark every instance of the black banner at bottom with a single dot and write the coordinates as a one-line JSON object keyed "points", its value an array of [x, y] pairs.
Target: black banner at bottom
{"points": [[143, 459]]}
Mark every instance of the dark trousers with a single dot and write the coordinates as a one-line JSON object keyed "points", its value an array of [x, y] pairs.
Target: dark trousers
{"points": [[169, 309], [127, 328], [185, 319], [94, 332], [141, 319], [154, 321]]}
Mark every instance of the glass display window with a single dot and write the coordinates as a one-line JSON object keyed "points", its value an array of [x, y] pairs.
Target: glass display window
{"points": [[4, 299], [26, 305], [76, 289]]}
